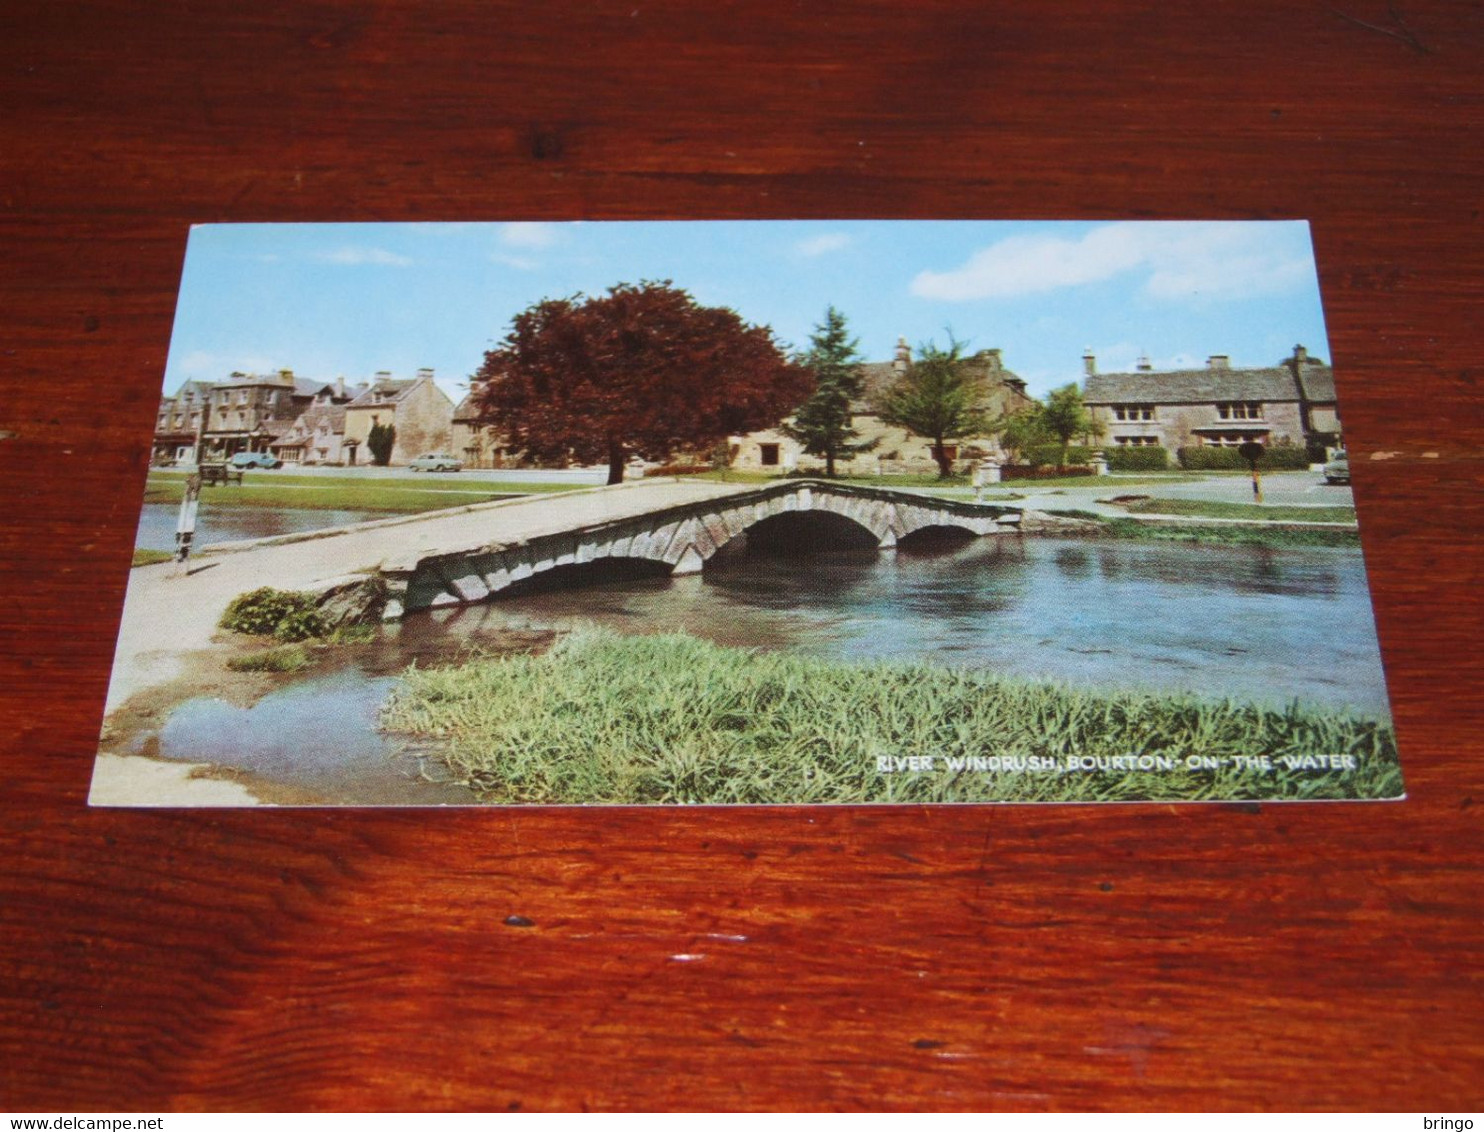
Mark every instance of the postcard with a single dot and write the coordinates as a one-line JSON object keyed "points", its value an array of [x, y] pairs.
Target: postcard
{"points": [[747, 513]]}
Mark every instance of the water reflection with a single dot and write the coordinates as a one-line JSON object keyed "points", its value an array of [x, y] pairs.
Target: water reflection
{"points": [[1252, 623]]}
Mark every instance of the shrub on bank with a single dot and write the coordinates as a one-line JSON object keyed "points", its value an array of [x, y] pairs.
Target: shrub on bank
{"points": [[287, 615], [1038, 454]]}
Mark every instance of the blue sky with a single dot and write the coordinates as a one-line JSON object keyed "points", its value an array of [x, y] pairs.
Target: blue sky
{"points": [[329, 300]]}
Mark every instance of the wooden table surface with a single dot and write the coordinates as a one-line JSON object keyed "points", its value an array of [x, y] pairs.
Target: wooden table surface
{"points": [[1271, 956]]}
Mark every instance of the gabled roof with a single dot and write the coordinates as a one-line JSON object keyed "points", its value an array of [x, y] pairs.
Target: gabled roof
{"points": [[1318, 382], [1213, 384], [384, 392]]}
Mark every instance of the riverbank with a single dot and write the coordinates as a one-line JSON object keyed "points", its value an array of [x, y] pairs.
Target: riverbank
{"points": [[603, 718]]}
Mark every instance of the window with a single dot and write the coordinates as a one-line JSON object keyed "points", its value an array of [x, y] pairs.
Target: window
{"points": [[1239, 410], [242, 396], [1137, 441], [1133, 412], [769, 455]]}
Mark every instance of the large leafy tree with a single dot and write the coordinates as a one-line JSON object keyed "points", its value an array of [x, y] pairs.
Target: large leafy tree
{"points": [[641, 370], [940, 397], [1065, 416], [823, 424]]}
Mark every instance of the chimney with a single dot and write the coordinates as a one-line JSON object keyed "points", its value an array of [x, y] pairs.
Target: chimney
{"points": [[425, 372], [383, 375], [1143, 365], [1089, 362], [1219, 361], [1300, 355], [286, 376], [995, 362], [903, 357], [340, 386]]}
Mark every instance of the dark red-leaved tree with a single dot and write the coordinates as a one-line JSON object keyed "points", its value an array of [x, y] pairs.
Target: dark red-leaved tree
{"points": [[643, 370]]}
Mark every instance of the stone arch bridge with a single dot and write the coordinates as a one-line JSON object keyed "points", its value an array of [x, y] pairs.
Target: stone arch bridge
{"points": [[685, 537]]}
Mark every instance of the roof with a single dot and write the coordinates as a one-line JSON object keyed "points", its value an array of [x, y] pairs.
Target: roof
{"points": [[466, 410], [878, 377], [1318, 382], [1197, 385], [384, 392]]}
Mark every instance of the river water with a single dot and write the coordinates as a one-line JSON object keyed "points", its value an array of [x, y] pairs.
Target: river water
{"points": [[1251, 624]]}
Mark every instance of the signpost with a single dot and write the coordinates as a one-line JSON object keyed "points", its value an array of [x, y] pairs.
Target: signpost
{"points": [[1252, 452], [185, 524]]}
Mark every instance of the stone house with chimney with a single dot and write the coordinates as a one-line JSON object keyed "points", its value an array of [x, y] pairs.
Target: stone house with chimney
{"points": [[897, 450], [421, 413], [1218, 406]]}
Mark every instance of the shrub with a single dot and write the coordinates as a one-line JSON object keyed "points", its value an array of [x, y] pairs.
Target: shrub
{"points": [[678, 470], [285, 614], [1143, 459], [1276, 458], [1026, 472], [1205, 459], [1038, 454]]}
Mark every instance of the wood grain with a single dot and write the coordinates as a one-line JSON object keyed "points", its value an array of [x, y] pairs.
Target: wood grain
{"points": [[1269, 956]]}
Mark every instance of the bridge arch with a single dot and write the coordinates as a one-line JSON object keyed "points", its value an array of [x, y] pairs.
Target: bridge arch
{"points": [[683, 539]]}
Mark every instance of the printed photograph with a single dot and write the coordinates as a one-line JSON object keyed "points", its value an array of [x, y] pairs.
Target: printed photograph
{"points": [[747, 513]]}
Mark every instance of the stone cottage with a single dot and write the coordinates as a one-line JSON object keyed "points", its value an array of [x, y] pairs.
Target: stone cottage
{"points": [[421, 413], [897, 450], [1220, 405]]}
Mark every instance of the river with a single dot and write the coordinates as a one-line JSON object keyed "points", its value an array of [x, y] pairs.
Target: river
{"points": [[1251, 624]]}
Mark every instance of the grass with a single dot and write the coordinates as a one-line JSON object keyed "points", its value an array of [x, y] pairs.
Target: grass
{"points": [[1274, 514], [268, 489], [288, 658], [671, 719], [150, 557], [1224, 534]]}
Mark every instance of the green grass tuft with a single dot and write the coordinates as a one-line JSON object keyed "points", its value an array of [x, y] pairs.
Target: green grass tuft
{"points": [[288, 658], [672, 719]]}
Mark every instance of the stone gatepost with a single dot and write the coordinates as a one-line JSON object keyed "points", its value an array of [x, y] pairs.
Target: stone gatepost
{"points": [[1099, 463]]}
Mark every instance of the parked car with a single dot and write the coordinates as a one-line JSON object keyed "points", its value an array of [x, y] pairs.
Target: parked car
{"points": [[1338, 468], [436, 462], [255, 460]]}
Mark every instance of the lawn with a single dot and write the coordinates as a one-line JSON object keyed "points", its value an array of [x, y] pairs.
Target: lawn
{"points": [[1273, 514], [270, 489], [672, 719]]}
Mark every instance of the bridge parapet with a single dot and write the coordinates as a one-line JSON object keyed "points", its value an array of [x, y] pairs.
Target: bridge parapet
{"points": [[682, 537]]}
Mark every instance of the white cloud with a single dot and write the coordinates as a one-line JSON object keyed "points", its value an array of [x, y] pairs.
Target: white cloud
{"points": [[1179, 260], [529, 234], [362, 257], [822, 244]]}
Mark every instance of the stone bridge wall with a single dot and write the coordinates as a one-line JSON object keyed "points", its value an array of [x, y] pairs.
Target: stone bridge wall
{"points": [[683, 538]]}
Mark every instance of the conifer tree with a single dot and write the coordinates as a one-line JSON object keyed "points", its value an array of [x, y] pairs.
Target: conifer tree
{"points": [[823, 423]]}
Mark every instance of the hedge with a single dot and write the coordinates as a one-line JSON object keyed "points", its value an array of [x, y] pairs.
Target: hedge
{"points": [[1038, 454], [1145, 458], [1279, 456]]}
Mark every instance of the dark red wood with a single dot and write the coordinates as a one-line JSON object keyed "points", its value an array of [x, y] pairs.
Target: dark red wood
{"points": [[1323, 956]]}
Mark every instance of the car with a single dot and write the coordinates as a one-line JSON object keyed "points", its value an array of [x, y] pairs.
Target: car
{"points": [[436, 462], [1337, 470], [255, 460]]}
